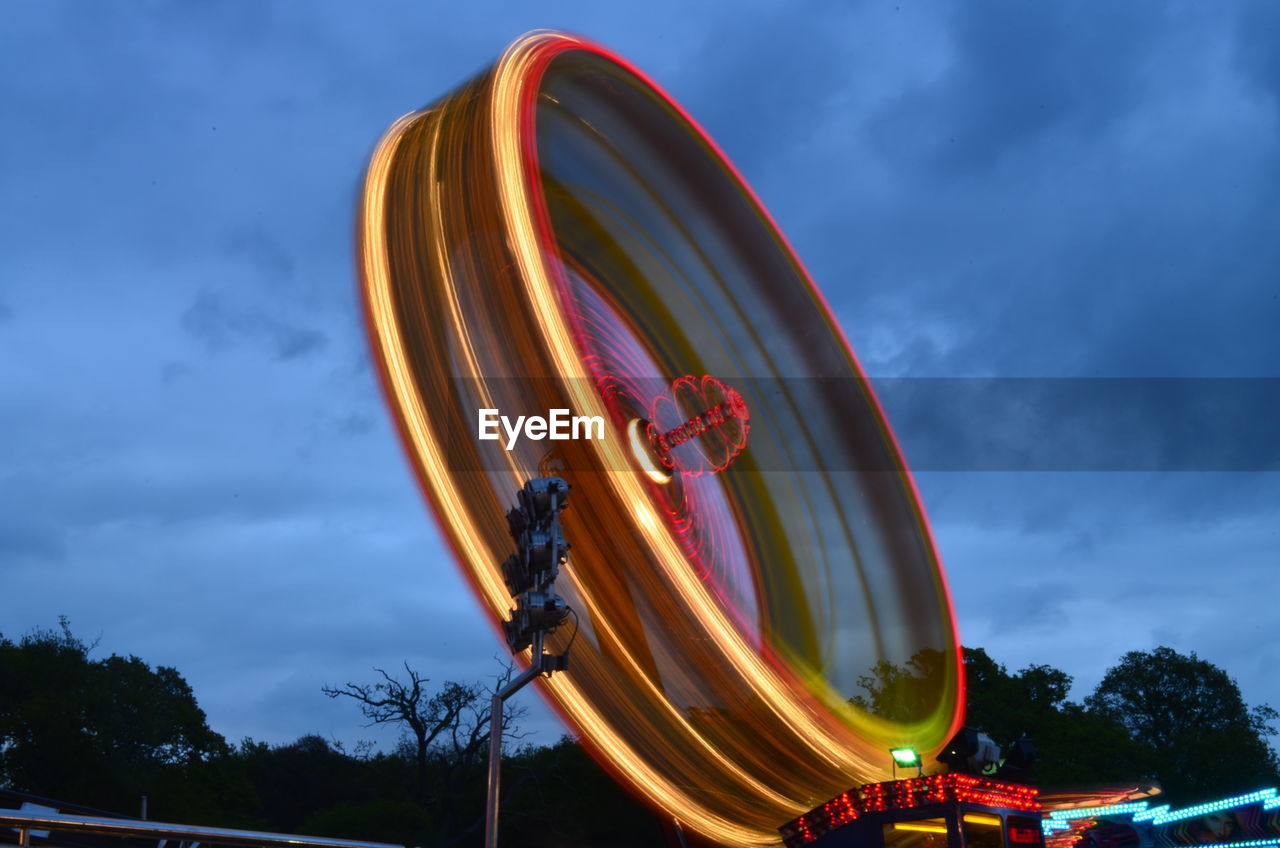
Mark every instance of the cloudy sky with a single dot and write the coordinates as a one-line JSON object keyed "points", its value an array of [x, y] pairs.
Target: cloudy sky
{"points": [[196, 466]]}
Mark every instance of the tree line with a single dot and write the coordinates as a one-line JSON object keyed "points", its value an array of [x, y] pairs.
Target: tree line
{"points": [[1158, 715], [103, 732]]}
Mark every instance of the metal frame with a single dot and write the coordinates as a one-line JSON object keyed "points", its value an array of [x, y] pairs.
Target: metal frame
{"points": [[25, 821], [492, 799], [539, 663]]}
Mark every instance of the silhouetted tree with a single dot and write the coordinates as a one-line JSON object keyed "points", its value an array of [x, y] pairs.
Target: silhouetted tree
{"points": [[1075, 745], [561, 797], [903, 693], [446, 736], [397, 821], [295, 780], [1204, 740], [102, 732]]}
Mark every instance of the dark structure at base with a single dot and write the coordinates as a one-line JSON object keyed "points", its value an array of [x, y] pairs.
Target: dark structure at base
{"points": [[951, 810]]}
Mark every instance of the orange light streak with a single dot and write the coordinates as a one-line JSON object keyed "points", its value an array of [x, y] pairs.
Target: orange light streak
{"points": [[469, 305]]}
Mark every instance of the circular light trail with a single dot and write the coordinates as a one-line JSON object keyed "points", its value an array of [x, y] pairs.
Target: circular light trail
{"points": [[762, 610]]}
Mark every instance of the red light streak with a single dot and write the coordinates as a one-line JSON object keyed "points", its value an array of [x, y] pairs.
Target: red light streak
{"points": [[682, 683], [950, 787]]}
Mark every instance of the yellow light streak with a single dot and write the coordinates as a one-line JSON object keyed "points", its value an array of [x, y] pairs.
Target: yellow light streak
{"points": [[465, 303]]}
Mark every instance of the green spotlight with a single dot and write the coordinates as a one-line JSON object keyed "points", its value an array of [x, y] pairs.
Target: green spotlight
{"points": [[905, 758]]}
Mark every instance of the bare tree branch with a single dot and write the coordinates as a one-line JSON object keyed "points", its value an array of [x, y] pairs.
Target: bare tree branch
{"points": [[447, 731]]}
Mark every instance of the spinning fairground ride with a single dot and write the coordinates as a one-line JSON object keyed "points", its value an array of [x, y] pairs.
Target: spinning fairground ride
{"points": [[760, 609]]}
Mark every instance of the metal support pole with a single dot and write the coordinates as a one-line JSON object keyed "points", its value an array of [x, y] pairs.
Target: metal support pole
{"points": [[495, 739], [530, 576], [495, 771]]}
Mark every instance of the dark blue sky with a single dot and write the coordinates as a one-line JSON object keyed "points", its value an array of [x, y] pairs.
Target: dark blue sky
{"points": [[196, 463]]}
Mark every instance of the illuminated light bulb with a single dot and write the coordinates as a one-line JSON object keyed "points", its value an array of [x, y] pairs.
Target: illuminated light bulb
{"points": [[643, 451]]}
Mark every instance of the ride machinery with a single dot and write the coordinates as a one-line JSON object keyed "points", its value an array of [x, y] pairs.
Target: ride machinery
{"points": [[761, 612]]}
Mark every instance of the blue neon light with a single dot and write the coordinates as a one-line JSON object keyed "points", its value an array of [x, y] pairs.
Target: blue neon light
{"points": [[1161, 814], [1257, 843], [1059, 820]]}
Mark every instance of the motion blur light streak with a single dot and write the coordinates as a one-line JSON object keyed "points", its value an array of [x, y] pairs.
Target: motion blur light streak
{"points": [[559, 234]]}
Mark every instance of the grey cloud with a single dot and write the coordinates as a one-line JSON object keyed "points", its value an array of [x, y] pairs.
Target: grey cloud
{"points": [[1107, 208], [171, 372], [1256, 53], [219, 324], [355, 424], [754, 81], [1020, 72], [262, 251], [146, 500], [1082, 424], [1095, 238], [1042, 607], [1084, 512], [26, 540]]}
